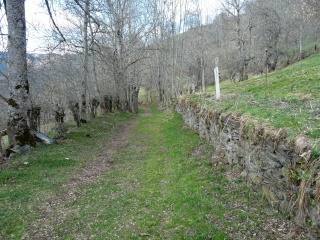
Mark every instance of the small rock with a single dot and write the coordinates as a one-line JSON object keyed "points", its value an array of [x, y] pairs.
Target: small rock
{"points": [[13, 155], [45, 139], [25, 149], [16, 149]]}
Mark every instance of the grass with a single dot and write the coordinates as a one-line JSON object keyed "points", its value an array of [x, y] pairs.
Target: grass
{"points": [[32, 179], [151, 190], [288, 98], [162, 185]]}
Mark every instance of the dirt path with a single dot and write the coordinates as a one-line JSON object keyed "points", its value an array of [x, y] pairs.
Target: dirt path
{"points": [[147, 112], [55, 211], [98, 166]]}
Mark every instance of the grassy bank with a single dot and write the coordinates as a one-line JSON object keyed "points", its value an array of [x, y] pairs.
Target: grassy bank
{"points": [[289, 98]]}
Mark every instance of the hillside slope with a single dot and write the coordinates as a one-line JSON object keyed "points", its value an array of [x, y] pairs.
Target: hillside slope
{"points": [[289, 98]]}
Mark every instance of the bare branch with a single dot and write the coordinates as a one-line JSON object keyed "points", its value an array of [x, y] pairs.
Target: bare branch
{"points": [[88, 13], [54, 23], [4, 99], [1, 73]]}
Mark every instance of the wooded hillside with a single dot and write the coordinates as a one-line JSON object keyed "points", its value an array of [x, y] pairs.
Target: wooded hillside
{"points": [[106, 51]]}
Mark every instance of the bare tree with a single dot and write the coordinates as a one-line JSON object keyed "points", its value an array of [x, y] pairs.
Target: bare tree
{"points": [[235, 10], [269, 30]]}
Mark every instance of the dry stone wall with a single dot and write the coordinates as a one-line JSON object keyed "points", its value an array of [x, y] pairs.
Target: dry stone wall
{"points": [[281, 168]]}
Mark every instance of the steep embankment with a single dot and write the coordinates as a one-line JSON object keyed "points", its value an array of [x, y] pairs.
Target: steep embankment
{"points": [[117, 178], [269, 127]]}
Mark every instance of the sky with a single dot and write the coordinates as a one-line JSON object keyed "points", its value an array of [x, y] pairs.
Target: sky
{"points": [[38, 21], [209, 7]]}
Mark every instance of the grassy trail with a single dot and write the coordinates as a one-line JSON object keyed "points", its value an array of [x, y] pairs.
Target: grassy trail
{"points": [[159, 188], [154, 189], [144, 178]]}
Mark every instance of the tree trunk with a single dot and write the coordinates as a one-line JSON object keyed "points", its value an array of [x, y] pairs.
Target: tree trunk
{"points": [[94, 69], [160, 84], [18, 130], [193, 84], [135, 103], [203, 83], [59, 118], [75, 109], [94, 106], [84, 95], [122, 98], [173, 46], [108, 104], [34, 118]]}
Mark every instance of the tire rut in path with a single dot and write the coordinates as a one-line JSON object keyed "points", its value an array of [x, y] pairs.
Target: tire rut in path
{"points": [[92, 172], [55, 210]]}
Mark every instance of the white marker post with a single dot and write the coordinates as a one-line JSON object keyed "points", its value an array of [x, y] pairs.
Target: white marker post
{"points": [[216, 78]]}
